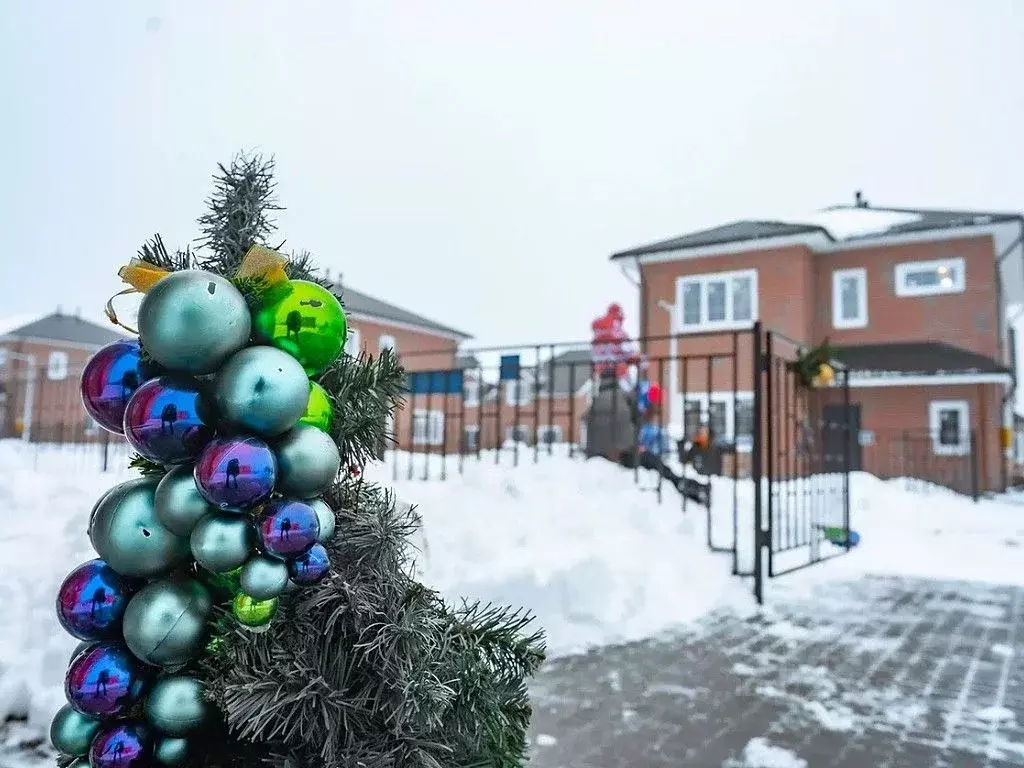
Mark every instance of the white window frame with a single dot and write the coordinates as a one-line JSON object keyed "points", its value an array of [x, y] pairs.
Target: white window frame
{"points": [[57, 366], [544, 429], [427, 427], [471, 393], [730, 415], [935, 409], [353, 342], [387, 341], [728, 324], [860, 274], [525, 391], [902, 270]]}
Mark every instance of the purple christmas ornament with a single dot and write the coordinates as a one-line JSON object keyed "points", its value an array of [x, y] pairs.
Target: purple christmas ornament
{"points": [[104, 681], [92, 599], [127, 745], [109, 380], [236, 472], [167, 420], [311, 567], [287, 529]]}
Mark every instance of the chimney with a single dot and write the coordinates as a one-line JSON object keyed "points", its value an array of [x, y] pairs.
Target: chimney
{"points": [[60, 311], [78, 313], [858, 199]]}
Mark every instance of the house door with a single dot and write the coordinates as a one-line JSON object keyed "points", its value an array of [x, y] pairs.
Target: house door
{"points": [[839, 424]]}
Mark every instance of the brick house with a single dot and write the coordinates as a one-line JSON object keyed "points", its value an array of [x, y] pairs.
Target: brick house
{"points": [[917, 304]]}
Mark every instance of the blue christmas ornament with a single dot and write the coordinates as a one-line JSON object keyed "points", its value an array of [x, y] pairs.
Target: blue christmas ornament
{"points": [[286, 528], [125, 745], [168, 420], [236, 473], [104, 681], [109, 380], [92, 599], [311, 567], [261, 390]]}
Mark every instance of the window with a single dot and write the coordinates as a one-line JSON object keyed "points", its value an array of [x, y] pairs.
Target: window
{"points": [[518, 434], [519, 392], [353, 342], [949, 423], [726, 425], [719, 301], [57, 366], [471, 393], [427, 427], [387, 341], [930, 278], [850, 298], [549, 434]]}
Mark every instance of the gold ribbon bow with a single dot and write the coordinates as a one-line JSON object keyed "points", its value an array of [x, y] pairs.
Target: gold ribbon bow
{"points": [[259, 262]]}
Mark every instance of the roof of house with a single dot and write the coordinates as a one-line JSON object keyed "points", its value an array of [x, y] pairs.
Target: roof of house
{"points": [[363, 304], [915, 358], [565, 373], [839, 223], [71, 329]]}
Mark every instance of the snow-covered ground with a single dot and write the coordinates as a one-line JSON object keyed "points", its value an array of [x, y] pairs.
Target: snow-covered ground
{"points": [[593, 556]]}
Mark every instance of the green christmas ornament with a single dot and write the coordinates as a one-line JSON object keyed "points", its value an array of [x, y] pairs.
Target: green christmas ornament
{"points": [[71, 732], [221, 543], [179, 505], [254, 614], [226, 584], [319, 409], [325, 515], [261, 390], [307, 462], [171, 751], [176, 707], [165, 622], [305, 320], [264, 578]]}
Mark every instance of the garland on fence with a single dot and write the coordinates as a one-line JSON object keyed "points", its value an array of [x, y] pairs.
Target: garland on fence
{"points": [[813, 366]]}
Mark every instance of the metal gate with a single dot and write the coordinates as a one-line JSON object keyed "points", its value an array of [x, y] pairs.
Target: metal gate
{"points": [[804, 440]]}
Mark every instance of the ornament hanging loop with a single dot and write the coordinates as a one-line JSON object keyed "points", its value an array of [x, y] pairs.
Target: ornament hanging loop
{"points": [[112, 315]]}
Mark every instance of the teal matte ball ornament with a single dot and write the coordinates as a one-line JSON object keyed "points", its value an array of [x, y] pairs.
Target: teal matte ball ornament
{"points": [[82, 762], [327, 519], [264, 578], [71, 732], [166, 622], [192, 321], [305, 320], [261, 390], [179, 505], [124, 531], [171, 752], [307, 462], [222, 542], [176, 707]]}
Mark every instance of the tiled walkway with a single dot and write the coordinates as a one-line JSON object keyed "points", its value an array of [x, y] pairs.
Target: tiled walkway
{"points": [[880, 673]]}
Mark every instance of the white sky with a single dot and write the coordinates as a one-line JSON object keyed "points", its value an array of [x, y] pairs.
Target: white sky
{"points": [[477, 162]]}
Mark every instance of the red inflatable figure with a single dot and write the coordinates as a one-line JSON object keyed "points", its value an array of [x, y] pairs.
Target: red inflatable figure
{"points": [[610, 348]]}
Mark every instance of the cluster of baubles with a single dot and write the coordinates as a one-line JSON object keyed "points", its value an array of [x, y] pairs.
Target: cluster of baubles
{"points": [[225, 403]]}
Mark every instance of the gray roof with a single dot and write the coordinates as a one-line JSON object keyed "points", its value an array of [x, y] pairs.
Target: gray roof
{"points": [[915, 358], [565, 373], [354, 301], [735, 232], [67, 328]]}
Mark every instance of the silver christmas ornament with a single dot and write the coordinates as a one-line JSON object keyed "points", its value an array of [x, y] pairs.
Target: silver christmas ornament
{"points": [[307, 462], [71, 732], [325, 515], [165, 623], [193, 321], [261, 390], [263, 578], [178, 503], [124, 531], [175, 706], [221, 543]]}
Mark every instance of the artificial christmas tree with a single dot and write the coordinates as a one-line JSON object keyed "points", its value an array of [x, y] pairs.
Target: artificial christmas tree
{"points": [[252, 604]]}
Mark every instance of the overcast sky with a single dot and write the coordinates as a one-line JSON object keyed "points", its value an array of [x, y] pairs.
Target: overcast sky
{"points": [[477, 162]]}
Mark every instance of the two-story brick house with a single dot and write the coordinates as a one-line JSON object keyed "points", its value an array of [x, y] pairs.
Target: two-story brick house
{"points": [[916, 303]]}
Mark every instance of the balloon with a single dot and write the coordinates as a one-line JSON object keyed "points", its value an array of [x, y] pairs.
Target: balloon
{"points": [[307, 462], [104, 681], [168, 420], [178, 503], [261, 390], [319, 411], [310, 567], [176, 706], [287, 528], [264, 577], [126, 745], [325, 515], [306, 321], [254, 614], [109, 380], [165, 623], [124, 531], [71, 732], [171, 751], [192, 321], [92, 599], [236, 472], [221, 543]]}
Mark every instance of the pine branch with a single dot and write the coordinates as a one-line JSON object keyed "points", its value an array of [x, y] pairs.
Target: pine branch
{"points": [[155, 252], [144, 466]]}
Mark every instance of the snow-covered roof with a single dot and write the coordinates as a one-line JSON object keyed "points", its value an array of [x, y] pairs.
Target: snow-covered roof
{"points": [[848, 223]]}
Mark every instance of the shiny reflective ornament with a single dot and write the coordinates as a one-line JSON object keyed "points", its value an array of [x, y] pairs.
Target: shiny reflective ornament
{"points": [[109, 380], [171, 751], [221, 543], [307, 462], [254, 614], [310, 567], [92, 599], [104, 681], [236, 473], [264, 577], [176, 707], [287, 528], [223, 585], [305, 320], [79, 649], [71, 732], [319, 411], [124, 531], [168, 420], [178, 503], [126, 745], [82, 762], [261, 390], [192, 321], [166, 622], [325, 515]]}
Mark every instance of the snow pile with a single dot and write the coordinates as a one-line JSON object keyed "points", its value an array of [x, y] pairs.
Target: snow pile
{"points": [[760, 753], [847, 223]]}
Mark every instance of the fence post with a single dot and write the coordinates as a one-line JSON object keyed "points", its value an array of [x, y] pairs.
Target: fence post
{"points": [[756, 459], [106, 451], [975, 480]]}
